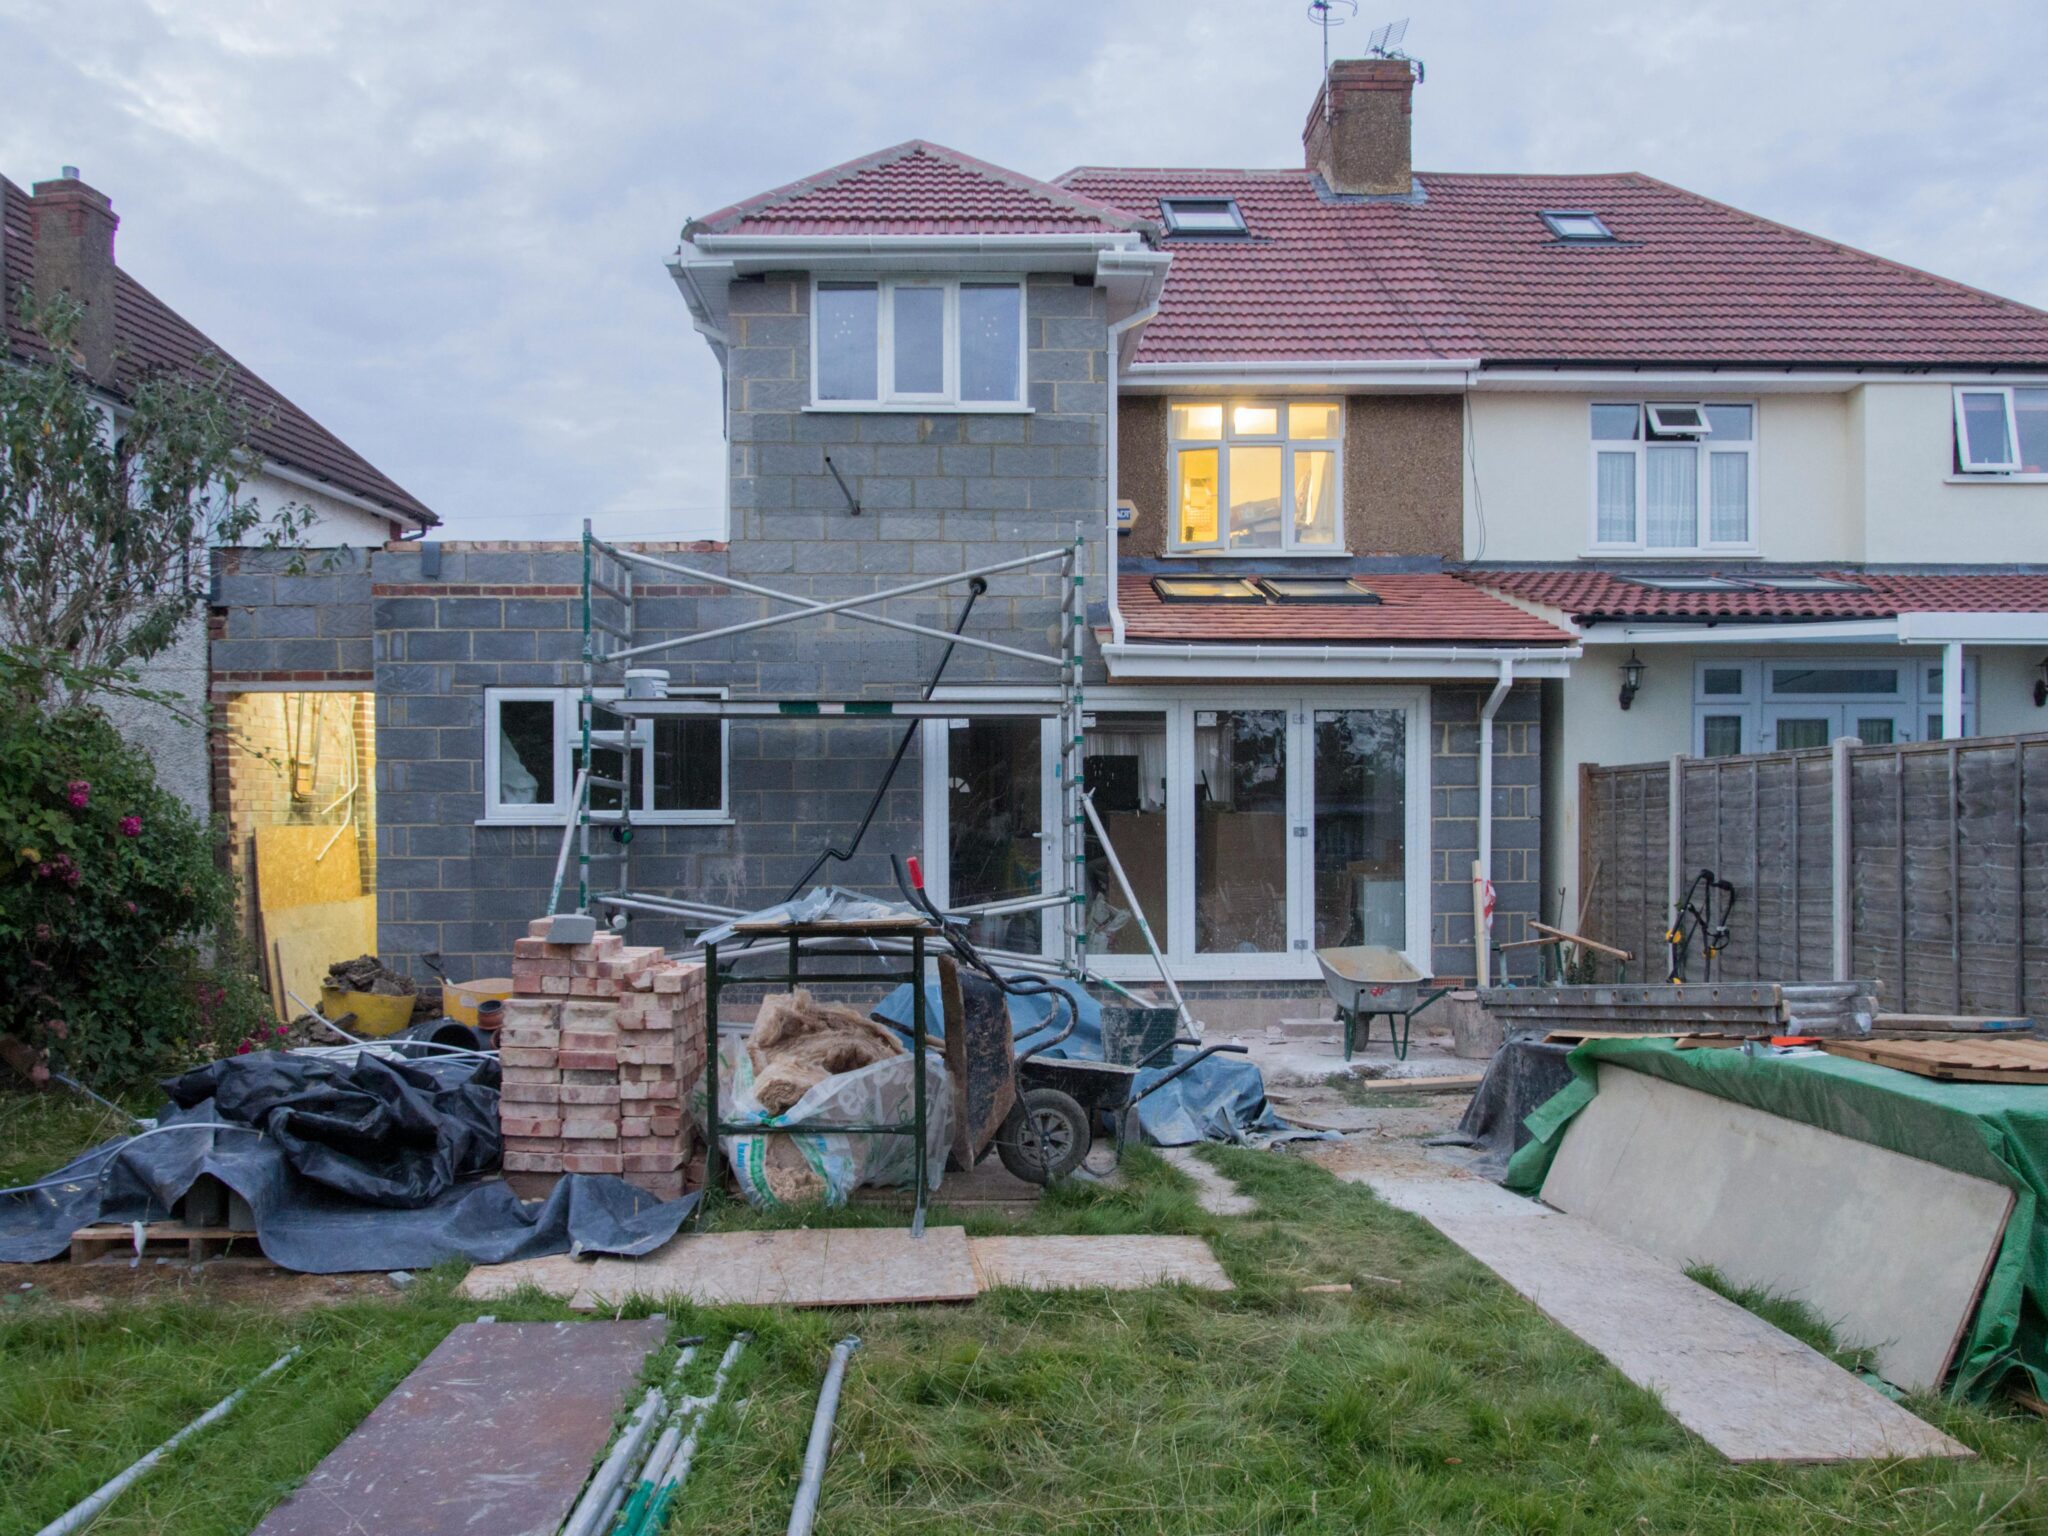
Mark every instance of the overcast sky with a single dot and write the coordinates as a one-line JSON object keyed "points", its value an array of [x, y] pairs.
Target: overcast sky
{"points": [[441, 228]]}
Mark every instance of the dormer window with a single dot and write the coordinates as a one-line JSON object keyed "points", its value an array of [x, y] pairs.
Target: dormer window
{"points": [[1202, 216], [949, 343], [1577, 225]]}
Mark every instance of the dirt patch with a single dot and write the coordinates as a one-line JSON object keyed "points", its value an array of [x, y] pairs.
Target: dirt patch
{"points": [[249, 1282]]}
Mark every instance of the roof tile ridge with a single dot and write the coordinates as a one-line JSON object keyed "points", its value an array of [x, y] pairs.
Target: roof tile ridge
{"points": [[1838, 245], [789, 191], [1050, 190]]}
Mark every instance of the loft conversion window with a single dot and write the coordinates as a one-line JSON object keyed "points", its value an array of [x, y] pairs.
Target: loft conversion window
{"points": [[1256, 475], [1198, 589], [2002, 431], [1674, 477], [1316, 589], [1202, 216], [1576, 225], [941, 342], [1687, 583], [1806, 584]]}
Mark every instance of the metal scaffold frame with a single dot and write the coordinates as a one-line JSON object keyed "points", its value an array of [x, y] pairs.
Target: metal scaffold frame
{"points": [[609, 577]]}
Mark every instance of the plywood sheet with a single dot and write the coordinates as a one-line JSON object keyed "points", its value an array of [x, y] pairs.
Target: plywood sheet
{"points": [[830, 1267], [1954, 1061], [1747, 1389], [1891, 1251], [1097, 1263], [291, 870], [303, 941], [497, 1430]]}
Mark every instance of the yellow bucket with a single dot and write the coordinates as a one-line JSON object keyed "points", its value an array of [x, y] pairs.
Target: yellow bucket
{"points": [[460, 999], [376, 1014]]}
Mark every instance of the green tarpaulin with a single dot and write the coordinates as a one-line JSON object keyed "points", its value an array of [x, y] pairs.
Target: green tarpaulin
{"points": [[1990, 1130]]}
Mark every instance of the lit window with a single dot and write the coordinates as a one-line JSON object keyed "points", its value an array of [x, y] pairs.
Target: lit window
{"points": [[2002, 431], [1316, 589], [1201, 216], [533, 741], [1256, 474], [1577, 224], [918, 341], [1674, 477]]}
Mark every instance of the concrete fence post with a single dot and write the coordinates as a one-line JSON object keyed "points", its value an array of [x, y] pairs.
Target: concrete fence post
{"points": [[1841, 915]]}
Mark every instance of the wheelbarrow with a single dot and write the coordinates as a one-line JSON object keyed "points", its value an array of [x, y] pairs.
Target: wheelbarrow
{"points": [[1370, 981]]}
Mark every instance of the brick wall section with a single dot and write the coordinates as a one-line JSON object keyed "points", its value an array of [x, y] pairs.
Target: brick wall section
{"points": [[1454, 819], [602, 1047]]}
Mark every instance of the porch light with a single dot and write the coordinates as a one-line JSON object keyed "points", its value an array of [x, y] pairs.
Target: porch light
{"points": [[2041, 685], [1631, 678]]}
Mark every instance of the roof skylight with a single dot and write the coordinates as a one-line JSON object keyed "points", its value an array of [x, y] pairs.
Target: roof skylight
{"points": [[1202, 216], [1688, 583], [1205, 589], [1806, 584], [1576, 224], [1316, 589]]}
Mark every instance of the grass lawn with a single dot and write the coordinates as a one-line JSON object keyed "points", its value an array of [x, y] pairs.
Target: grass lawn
{"points": [[1444, 1403]]}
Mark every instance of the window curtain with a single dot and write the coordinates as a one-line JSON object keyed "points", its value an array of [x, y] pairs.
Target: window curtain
{"points": [[1672, 491], [1617, 498], [1149, 748], [1728, 493]]}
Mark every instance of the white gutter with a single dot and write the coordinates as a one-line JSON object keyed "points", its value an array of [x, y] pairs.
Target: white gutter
{"points": [[1845, 631], [893, 245], [1146, 659], [1312, 373], [1784, 380], [2018, 627], [685, 273], [347, 498], [1117, 331], [1482, 866]]}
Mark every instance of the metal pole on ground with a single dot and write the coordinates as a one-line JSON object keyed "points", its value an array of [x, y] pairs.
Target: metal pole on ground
{"points": [[805, 1512]]}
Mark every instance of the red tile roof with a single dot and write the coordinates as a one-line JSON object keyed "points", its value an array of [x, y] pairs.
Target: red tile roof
{"points": [[1472, 271], [153, 337], [916, 188], [1590, 596], [1415, 608]]}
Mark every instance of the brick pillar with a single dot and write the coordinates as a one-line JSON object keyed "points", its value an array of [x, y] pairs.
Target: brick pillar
{"points": [[601, 1047]]}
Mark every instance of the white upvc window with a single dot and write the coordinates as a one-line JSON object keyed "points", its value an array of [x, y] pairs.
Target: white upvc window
{"points": [[1775, 704], [1257, 476], [1674, 477], [2001, 430], [955, 342], [533, 744]]}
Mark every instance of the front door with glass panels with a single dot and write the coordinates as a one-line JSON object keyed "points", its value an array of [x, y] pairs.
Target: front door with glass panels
{"points": [[1799, 727]]}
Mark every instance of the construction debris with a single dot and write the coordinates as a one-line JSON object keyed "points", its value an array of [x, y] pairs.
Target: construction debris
{"points": [[799, 1041]]}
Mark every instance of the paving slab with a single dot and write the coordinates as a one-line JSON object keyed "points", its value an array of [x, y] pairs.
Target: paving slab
{"points": [[1216, 1194], [1749, 1390], [497, 1430]]}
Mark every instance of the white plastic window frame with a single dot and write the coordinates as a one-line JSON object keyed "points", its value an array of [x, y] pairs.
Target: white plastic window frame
{"points": [[1705, 446], [1230, 405], [1555, 220], [569, 741], [2008, 468], [1918, 699], [1171, 210], [948, 396]]}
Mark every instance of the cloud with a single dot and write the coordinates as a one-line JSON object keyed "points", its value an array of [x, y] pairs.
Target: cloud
{"points": [[442, 229]]}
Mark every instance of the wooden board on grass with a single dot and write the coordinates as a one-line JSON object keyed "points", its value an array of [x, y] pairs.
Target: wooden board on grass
{"points": [[1953, 1061]]}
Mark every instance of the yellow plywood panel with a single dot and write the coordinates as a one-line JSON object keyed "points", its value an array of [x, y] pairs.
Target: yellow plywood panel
{"points": [[292, 871], [302, 942]]}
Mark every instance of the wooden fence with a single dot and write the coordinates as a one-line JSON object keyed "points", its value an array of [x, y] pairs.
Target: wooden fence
{"points": [[1924, 866]]}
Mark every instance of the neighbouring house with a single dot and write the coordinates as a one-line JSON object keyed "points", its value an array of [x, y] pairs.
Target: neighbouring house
{"points": [[299, 738], [1380, 478]]}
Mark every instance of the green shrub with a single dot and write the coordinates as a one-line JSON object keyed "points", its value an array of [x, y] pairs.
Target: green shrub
{"points": [[117, 927]]}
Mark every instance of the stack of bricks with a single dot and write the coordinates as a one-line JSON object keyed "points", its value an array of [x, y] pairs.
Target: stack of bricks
{"points": [[601, 1048]]}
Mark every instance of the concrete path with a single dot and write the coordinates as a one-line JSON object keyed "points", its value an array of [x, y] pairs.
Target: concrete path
{"points": [[1216, 1194], [1750, 1391]]}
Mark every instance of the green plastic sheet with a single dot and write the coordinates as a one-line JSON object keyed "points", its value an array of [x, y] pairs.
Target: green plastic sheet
{"points": [[1992, 1131]]}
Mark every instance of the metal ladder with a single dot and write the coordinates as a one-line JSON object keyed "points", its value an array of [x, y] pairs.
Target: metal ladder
{"points": [[607, 585]]}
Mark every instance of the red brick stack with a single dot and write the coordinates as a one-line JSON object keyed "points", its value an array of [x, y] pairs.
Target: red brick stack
{"points": [[601, 1048]]}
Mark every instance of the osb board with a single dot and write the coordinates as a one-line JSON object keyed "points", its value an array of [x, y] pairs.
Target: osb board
{"points": [[495, 1431], [1747, 1389], [1096, 1263], [832, 1267], [1955, 1061], [1890, 1249], [302, 942], [980, 1060], [291, 871]]}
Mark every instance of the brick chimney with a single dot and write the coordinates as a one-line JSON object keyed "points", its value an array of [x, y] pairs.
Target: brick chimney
{"points": [[72, 229], [1358, 137]]}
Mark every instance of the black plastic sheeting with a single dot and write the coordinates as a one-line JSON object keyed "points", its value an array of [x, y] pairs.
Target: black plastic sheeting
{"points": [[346, 1164], [1522, 1075]]}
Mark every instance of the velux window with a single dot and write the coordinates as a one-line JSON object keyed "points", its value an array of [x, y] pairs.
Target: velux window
{"points": [[533, 743], [1256, 474], [1202, 216], [910, 341], [2002, 431], [1674, 476]]}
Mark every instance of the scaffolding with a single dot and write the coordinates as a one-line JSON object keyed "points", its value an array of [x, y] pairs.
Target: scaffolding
{"points": [[612, 708]]}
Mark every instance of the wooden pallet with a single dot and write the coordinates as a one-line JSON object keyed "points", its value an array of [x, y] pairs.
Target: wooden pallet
{"points": [[1954, 1061], [160, 1239]]}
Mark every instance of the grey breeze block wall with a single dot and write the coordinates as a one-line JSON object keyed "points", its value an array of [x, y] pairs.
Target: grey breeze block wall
{"points": [[1454, 818]]}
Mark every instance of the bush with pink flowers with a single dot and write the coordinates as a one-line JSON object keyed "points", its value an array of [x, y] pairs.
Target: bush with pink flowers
{"points": [[117, 926]]}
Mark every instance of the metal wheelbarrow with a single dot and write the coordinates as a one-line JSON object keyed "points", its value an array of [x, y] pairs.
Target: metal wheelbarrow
{"points": [[1370, 981]]}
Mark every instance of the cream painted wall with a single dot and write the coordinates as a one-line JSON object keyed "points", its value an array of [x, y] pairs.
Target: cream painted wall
{"points": [[1528, 474], [1915, 510]]}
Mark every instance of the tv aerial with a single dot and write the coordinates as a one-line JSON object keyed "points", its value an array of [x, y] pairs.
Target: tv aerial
{"points": [[1332, 13], [1385, 42]]}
